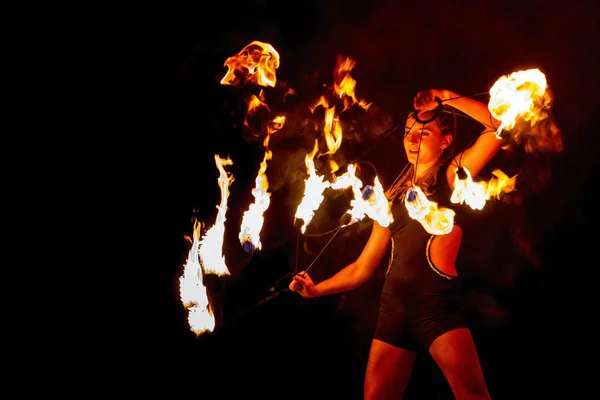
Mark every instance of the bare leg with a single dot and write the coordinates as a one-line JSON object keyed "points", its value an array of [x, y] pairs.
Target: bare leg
{"points": [[388, 371], [456, 355]]}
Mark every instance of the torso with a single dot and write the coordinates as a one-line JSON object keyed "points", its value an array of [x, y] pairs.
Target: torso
{"points": [[412, 274]]}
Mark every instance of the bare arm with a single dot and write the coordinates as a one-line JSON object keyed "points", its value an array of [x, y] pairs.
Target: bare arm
{"points": [[476, 157], [354, 274]]}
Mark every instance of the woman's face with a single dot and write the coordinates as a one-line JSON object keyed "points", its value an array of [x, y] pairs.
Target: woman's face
{"points": [[424, 141]]}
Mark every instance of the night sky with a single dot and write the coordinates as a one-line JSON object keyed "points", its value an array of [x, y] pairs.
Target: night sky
{"points": [[522, 260]]}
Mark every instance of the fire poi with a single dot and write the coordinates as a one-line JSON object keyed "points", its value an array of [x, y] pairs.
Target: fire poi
{"points": [[520, 100]]}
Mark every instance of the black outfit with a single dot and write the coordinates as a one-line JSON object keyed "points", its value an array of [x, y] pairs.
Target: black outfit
{"points": [[418, 302]]}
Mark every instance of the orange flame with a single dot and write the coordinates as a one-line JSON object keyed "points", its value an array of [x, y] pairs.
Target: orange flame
{"points": [[344, 84], [256, 102], [332, 130], [275, 124], [256, 63]]}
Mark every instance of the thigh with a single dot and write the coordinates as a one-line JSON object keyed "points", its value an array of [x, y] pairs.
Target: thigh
{"points": [[388, 370], [456, 355]]}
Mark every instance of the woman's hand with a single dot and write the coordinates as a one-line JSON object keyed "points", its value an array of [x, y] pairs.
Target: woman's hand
{"points": [[303, 284], [425, 99]]}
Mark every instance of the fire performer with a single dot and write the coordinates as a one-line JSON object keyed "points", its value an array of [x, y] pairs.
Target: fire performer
{"points": [[421, 302]]}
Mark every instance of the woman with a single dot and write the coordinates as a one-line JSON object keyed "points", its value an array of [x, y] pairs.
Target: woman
{"points": [[420, 305]]}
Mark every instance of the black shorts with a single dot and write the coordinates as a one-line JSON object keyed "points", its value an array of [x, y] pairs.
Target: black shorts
{"points": [[416, 329]]}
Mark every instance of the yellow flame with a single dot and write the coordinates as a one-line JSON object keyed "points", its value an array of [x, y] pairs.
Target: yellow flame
{"points": [[332, 127], [333, 166], [476, 194], [256, 102], [375, 206], [332, 130], [322, 101], [253, 220], [437, 221], [192, 290], [211, 245], [520, 95], [313, 191]]}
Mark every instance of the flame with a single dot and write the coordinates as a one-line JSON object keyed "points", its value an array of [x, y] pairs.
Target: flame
{"points": [[213, 261], [322, 101], [344, 84], [192, 290], [256, 63], [275, 124], [375, 205], [332, 130], [332, 127], [437, 221], [252, 220], [333, 166], [313, 191], [256, 102], [289, 92], [476, 194], [520, 96]]}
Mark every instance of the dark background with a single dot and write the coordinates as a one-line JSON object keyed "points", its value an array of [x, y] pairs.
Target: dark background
{"points": [[524, 260]]}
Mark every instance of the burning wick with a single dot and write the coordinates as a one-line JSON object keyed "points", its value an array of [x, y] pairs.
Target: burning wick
{"points": [[411, 194], [248, 247], [502, 134], [461, 173], [367, 192]]}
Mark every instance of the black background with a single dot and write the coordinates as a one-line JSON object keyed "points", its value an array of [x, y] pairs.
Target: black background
{"points": [[524, 260]]}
